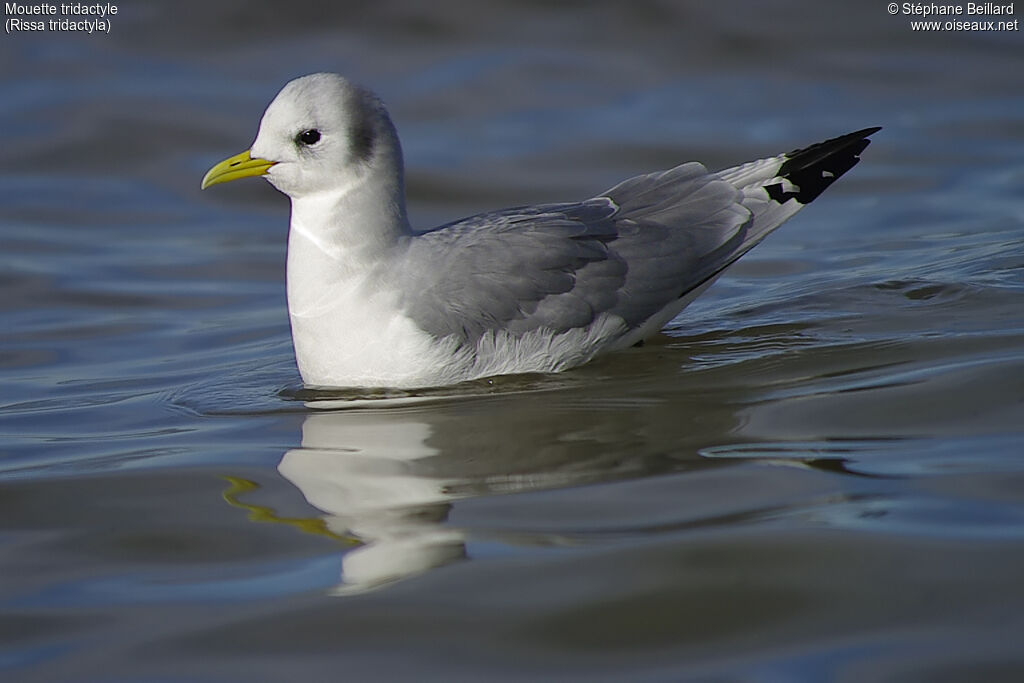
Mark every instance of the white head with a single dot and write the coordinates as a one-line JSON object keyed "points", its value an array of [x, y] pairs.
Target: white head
{"points": [[321, 133]]}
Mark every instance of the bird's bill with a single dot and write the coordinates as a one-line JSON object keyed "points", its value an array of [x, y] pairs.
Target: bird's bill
{"points": [[239, 166]]}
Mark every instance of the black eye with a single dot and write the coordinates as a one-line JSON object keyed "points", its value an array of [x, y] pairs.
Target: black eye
{"points": [[308, 137]]}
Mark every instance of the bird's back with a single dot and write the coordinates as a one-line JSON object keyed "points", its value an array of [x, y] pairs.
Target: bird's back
{"points": [[624, 263]]}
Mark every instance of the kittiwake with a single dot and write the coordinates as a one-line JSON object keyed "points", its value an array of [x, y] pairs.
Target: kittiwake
{"points": [[542, 288]]}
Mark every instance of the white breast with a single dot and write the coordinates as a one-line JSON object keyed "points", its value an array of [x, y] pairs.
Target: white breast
{"points": [[360, 342], [346, 325]]}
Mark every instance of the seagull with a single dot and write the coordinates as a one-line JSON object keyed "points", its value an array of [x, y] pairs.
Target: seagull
{"points": [[531, 289]]}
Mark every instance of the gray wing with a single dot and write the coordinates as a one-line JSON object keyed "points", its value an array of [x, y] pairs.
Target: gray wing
{"points": [[631, 252]]}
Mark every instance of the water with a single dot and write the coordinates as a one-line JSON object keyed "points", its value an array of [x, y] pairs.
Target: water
{"points": [[815, 474]]}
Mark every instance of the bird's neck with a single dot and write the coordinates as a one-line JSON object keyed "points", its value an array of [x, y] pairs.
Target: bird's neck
{"points": [[365, 213], [339, 239]]}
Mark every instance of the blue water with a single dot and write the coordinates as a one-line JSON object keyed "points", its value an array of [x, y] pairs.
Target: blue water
{"points": [[814, 474]]}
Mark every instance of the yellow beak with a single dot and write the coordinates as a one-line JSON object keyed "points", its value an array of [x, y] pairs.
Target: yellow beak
{"points": [[239, 166]]}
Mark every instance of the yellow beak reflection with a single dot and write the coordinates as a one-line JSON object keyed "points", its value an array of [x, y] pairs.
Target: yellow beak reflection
{"points": [[239, 166]]}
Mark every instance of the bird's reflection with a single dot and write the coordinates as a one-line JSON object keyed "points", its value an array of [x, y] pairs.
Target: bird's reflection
{"points": [[388, 478], [366, 473], [386, 472]]}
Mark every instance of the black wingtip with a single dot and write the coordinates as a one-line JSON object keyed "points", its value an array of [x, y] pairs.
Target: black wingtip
{"points": [[812, 169]]}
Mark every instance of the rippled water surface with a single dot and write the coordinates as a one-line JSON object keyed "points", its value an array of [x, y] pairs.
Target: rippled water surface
{"points": [[816, 473]]}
